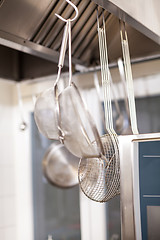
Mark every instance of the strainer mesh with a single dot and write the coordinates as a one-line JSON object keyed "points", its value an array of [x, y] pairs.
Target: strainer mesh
{"points": [[99, 178]]}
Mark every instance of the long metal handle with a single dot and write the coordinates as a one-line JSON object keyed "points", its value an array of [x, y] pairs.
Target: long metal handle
{"points": [[129, 81], [70, 53], [105, 76], [114, 96], [122, 75], [97, 87], [62, 52], [63, 46]]}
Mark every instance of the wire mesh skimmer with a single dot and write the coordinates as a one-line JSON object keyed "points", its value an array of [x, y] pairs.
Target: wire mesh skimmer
{"points": [[99, 178]]}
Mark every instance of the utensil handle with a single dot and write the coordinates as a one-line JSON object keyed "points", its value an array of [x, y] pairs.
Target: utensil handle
{"points": [[129, 81], [62, 52], [122, 75], [63, 46]]}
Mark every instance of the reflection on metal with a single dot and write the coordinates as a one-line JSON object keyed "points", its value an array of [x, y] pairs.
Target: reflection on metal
{"points": [[130, 204], [31, 48], [32, 28], [127, 217], [146, 21]]}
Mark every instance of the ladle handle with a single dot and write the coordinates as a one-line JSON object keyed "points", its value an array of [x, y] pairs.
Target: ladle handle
{"points": [[63, 46]]}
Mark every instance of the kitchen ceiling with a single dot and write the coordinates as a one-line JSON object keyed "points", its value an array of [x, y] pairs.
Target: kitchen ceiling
{"points": [[33, 33]]}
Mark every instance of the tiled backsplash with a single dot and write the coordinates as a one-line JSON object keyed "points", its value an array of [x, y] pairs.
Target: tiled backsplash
{"points": [[7, 169]]}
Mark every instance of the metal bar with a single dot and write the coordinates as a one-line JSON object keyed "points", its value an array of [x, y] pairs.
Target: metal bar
{"points": [[115, 65], [50, 22], [60, 31], [94, 23], [112, 8], [26, 46], [81, 9], [82, 26], [83, 70], [67, 12], [81, 12], [92, 38], [34, 35]]}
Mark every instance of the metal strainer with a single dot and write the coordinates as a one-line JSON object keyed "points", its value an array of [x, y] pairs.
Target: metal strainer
{"points": [[99, 178], [60, 167], [45, 113], [77, 129]]}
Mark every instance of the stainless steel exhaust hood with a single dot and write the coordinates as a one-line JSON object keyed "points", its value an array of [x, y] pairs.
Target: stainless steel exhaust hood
{"points": [[30, 36]]}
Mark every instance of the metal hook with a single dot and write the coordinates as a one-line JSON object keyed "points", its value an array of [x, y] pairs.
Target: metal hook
{"points": [[75, 8]]}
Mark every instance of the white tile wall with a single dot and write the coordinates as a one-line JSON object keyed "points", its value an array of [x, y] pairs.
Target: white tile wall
{"points": [[8, 233], [8, 211], [7, 183], [2, 233], [7, 169]]}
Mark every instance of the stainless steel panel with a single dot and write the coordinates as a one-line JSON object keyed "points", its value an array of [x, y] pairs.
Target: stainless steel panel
{"points": [[90, 42], [147, 13], [127, 14], [83, 5], [49, 23], [129, 227], [153, 218], [31, 48], [22, 17], [126, 196], [32, 27], [67, 13]]}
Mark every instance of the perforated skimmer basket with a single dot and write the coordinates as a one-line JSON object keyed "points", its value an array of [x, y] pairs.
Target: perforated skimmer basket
{"points": [[99, 178]]}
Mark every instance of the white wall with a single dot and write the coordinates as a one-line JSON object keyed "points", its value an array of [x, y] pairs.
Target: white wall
{"points": [[15, 171], [23, 174], [8, 211], [16, 213]]}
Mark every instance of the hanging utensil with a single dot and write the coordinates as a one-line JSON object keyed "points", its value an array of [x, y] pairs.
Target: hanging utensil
{"points": [[76, 126], [119, 123], [127, 126], [98, 91], [99, 178], [60, 167], [45, 112], [23, 124], [129, 79]]}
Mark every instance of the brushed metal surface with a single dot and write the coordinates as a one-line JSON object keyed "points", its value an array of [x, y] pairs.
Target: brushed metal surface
{"points": [[153, 217], [32, 27], [31, 48], [143, 17], [20, 18], [126, 196], [129, 227], [147, 14]]}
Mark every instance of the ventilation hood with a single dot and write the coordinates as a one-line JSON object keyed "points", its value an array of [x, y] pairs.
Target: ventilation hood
{"points": [[30, 36]]}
